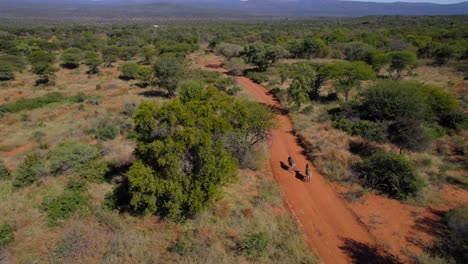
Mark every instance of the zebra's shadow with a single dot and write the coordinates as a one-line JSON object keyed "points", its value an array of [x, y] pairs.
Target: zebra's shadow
{"points": [[284, 166], [300, 176]]}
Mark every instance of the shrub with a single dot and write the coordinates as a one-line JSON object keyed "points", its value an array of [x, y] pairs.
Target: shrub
{"points": [[33, 103], [70, 156], [6, 235], [376, 131], [94, 170], [453, 245], [391, 174], [129, 70], [258, 77], [4, 172], [64, 205], [254, 245], [78, 98], [107, 132], [28, 172], [191, 90]]}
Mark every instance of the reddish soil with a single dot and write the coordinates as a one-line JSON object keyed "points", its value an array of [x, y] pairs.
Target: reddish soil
{"points": [[332, 229], [11, 97], [17, 150]]}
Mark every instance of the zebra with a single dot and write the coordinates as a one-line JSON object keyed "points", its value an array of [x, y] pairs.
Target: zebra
{"points": [[308, 173], [292, 164]]}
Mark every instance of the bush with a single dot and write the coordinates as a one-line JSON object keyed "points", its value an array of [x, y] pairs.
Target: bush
{"points": [[94, 170], [254, 245], [4, 172], [33, 103], [107, 132], [28, 172], [258, 77], [78, 98], [391, 174], [453, 246], [70, 156], [64, 205], [376, 131], [6, 235]]}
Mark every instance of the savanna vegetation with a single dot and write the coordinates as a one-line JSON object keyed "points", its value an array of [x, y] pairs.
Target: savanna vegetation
{"points": [[117, 146]]}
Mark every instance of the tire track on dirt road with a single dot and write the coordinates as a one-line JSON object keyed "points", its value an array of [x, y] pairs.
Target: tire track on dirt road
{"points": [[332, 230]]}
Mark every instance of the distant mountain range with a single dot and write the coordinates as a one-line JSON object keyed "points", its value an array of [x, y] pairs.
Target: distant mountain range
{"points": [[139, 10]]}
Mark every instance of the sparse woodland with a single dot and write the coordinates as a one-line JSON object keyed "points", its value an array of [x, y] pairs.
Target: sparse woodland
{"points": [[118, 146]]}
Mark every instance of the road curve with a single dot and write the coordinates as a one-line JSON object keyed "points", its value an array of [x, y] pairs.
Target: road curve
{"points": [[333, 231]]}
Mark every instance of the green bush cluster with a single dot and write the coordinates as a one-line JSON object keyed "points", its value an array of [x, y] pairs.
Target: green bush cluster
{"points": [[254, 246], [391, 174], [33, 103], [62, 206], [4, 172], [29, 171], [6, 235], [70, 156], [258, 77]]}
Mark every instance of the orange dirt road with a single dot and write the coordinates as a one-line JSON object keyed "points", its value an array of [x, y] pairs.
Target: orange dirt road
{"points": [[332, 230]]}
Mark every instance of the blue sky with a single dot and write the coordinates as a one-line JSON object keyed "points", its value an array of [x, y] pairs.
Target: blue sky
{"points": [[415, 1]]}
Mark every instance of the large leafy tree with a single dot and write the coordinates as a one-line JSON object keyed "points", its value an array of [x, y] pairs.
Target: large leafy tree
{"points": [[188, 149], [298, 92], [41, 62], [93, 61], [169, 70]]}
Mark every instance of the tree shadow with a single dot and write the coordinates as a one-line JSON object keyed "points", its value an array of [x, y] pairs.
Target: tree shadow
{"points": [[154, 93], [433, 226], [363, 253]]}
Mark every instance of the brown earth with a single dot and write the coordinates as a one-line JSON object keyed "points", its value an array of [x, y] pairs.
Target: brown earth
{"points": [[16, 150], [333, 231]]}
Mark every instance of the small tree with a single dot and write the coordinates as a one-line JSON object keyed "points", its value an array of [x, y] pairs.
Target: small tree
{"points": [[110, 55], [263, 55], [298, 92], [349, 75], [169, 70], [357, 51], [235, 66], [147, 53], [408, 133], [44, 70], [145, 74], [230, 50], [400, 61], [71, 58], [93, 61], [129, 70], [6, 71]]}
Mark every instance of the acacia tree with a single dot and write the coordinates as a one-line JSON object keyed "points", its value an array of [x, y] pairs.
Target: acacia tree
{"points": [[6, 71], [235, 66], [41, 62], [400, 61], [263, 55], [93, 61], [349, 75], [230, 50], [170, 71], [71, 58]]}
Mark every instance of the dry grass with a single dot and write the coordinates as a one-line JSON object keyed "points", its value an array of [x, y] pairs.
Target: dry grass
{"points": [[93, 235]]}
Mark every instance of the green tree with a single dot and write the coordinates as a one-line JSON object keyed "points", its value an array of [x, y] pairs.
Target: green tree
{"points": [[229, 50], [298, 92], [41, 65], [357, 51], [263, 55], [315, 47], [184, 150], [147, 53], [170, 71], [235, 66], [129, 70], [6, 71], [110, 55], [145, 74], [400, 61], [71, 58], [349, 75], [93, 61], [408, 133]]}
